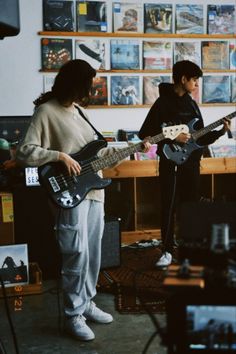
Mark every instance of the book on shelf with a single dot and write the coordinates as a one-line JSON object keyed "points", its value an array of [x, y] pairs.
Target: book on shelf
{"points": [[221, 19], [150, 155], [55, 52], [233, 88], [187, 51], [150, 87], [215, 55], [58, 15], [158, 18], [232, 54], [124, 54], [48, 81], [92, 51], [189, 18], [110, 136], [91, 16], [157, 55], [127, 17], [216, 89], [125, 90], [14, 265], [99, 91]]}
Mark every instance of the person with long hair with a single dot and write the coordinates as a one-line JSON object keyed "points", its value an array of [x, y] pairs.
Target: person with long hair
{"points": [[60, 128]]}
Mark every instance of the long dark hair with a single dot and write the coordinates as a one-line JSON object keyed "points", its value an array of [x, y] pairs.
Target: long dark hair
{"points": [[72, 84]]}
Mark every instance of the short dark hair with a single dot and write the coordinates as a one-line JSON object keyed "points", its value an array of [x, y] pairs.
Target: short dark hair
{"points": [[185, 68]]}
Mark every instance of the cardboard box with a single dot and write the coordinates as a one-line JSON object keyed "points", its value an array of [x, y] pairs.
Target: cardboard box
{"points": [[6, 219]]}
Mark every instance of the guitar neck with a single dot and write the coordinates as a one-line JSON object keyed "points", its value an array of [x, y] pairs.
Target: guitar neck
{"points": [[197, 134], [121, 154]]}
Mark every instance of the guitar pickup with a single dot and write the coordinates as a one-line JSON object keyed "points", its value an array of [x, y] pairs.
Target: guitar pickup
{"points": [[54, 184], [174, 147]]}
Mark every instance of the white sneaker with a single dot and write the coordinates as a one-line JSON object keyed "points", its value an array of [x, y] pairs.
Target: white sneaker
{"points": [[77, 327], [165, 260], [93, 313]]}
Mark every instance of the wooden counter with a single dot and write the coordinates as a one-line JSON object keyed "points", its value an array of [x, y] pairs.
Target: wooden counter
{"points": [[149, 168]]}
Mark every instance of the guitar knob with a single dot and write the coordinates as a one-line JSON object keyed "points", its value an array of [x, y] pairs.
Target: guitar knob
{"points": [[183, 158]]}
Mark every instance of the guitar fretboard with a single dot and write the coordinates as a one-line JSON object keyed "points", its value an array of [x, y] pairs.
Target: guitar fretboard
{"points": [[197, 134], [121, 154]]}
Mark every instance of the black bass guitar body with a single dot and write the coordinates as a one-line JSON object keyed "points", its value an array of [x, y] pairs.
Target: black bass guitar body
{"points": [[68, 191]]}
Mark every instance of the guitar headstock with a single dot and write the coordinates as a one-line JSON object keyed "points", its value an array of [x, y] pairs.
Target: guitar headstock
{"points": [[173, 131]]}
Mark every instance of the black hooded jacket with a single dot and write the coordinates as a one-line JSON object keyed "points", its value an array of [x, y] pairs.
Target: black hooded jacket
{"points": [[172, 109]]}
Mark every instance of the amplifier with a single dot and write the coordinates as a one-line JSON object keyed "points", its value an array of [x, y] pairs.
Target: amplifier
{"points": [[111, 244]]}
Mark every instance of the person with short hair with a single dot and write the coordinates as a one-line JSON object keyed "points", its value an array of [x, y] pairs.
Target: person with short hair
{"points": [[180, 183]]}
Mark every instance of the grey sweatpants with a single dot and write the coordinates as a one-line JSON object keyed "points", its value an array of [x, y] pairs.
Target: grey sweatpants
{"points": [[79, 233]]}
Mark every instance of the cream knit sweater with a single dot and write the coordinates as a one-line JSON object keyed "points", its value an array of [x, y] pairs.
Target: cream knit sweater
{"points": [[55, 128]]}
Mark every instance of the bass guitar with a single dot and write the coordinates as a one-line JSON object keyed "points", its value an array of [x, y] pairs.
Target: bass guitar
{"points": [[68, 191], [179, 153]]}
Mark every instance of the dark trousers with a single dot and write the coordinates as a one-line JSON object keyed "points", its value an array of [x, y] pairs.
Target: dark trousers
{"points": [[178, 184]]}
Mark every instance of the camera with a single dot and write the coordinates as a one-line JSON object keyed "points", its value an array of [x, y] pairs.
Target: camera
{"points": [[201, 308], [202, 322]]}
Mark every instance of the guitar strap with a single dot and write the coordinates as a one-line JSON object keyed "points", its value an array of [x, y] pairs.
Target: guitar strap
{"points": [[91, 125]]}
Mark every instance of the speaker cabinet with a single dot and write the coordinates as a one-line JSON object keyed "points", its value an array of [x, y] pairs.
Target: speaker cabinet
{"points": [[111, 243], [9, 18]]}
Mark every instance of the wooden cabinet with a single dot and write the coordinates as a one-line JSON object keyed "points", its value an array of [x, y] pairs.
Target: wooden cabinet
{"points": [[134, 193]]}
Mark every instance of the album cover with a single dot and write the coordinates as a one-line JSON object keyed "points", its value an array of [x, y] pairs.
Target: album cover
{"points": [[187, 51], [150, 87], [99, 91], [14, 264], [124, 54], [215, 55], [58, 15], [125, 90], [91, 16], [48, 81], [189, 18], [158, 18], [221, 19], [55, 52], [232, 55], [92, 51], [223, 147], [127, 17], [157, 55], [216, 89], [233, 88]]}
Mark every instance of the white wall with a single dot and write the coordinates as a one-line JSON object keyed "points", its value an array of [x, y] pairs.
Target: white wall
{"points": [[21, 82]]}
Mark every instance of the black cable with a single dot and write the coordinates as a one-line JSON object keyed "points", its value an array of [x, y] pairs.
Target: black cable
{"points": [[59, 307], [9, 317], [155, 321], [58, 288], [149, 342]]}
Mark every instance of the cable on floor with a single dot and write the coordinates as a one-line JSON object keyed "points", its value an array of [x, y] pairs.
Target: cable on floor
{"points": [[9, 317]]}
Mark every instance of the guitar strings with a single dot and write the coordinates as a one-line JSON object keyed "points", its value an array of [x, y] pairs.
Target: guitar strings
{"points": [[86, 169]]}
